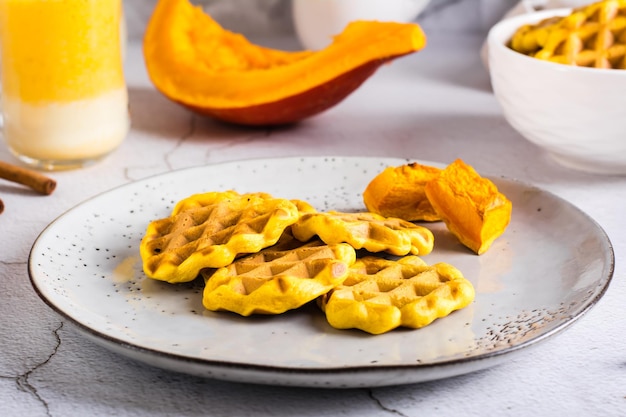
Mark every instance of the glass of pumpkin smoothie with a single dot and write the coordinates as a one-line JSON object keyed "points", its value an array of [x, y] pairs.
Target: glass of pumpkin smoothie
{"points": [[64, 100]]}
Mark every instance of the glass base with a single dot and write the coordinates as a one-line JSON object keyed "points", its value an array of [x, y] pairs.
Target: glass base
{"points": [[56, 165]]}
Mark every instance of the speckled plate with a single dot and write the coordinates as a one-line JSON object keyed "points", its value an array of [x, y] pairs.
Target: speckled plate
{"points": [[550, 267]]}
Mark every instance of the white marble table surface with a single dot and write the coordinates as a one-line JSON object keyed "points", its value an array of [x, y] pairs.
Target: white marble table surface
{"points": [[436, 105]]}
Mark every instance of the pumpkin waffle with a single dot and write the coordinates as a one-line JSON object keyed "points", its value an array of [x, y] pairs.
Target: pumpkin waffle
{"points": [[212, 197], [380, 295], [212, 234], [274, 281], [591, 36], [368, 231], [205, 199]]}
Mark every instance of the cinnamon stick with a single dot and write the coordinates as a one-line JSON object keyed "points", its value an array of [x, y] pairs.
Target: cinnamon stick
{"points": [[38, 182]]}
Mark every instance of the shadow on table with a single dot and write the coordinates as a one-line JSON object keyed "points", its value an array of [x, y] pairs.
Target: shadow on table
{"points": [[152, 113]]}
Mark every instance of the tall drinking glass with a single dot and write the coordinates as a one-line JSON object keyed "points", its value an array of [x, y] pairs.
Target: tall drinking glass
{"points": [[64, 99]]}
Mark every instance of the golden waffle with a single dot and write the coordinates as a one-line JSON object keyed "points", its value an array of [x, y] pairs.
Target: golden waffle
{"points": [[591, 36], [274, 281], [368, 231], [304, 207], [380, 295], [212, 197], [205, 199], [176, 248]]}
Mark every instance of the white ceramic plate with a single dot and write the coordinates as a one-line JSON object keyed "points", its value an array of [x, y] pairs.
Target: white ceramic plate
{"points": [[552, 264]]}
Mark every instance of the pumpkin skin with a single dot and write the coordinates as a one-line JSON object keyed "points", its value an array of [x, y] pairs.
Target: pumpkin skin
{"points": [[193, 61]]}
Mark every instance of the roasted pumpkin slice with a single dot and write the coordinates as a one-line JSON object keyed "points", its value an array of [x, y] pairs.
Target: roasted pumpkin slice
{"points": [[399, 192], [192, 60], [471, 206]]}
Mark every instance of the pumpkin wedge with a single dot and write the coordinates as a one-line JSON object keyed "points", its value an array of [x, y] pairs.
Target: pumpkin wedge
{"points": [[399, 192], [193, 61], [471, 206]]}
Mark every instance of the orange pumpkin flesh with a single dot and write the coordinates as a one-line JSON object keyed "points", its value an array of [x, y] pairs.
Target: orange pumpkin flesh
{"points": [[192, 60], [471, 206]]}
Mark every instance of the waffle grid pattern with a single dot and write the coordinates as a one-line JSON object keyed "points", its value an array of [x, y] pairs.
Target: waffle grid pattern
{"points": [[368, 231], [591, 36], [176, 248], [380, 295], [275, 281]]}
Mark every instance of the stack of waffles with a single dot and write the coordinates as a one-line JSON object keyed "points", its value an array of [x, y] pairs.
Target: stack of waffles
{"points": [[263, 255]]}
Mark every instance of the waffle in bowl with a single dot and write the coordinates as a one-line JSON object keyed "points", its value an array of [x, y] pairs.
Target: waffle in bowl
{"points": [[277, 279], [380, 295], [365, 230], [591, 36], [210, 231]]}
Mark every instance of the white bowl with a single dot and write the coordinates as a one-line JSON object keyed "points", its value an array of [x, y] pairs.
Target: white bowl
{"points": [[576, 114], [317, 21]]}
